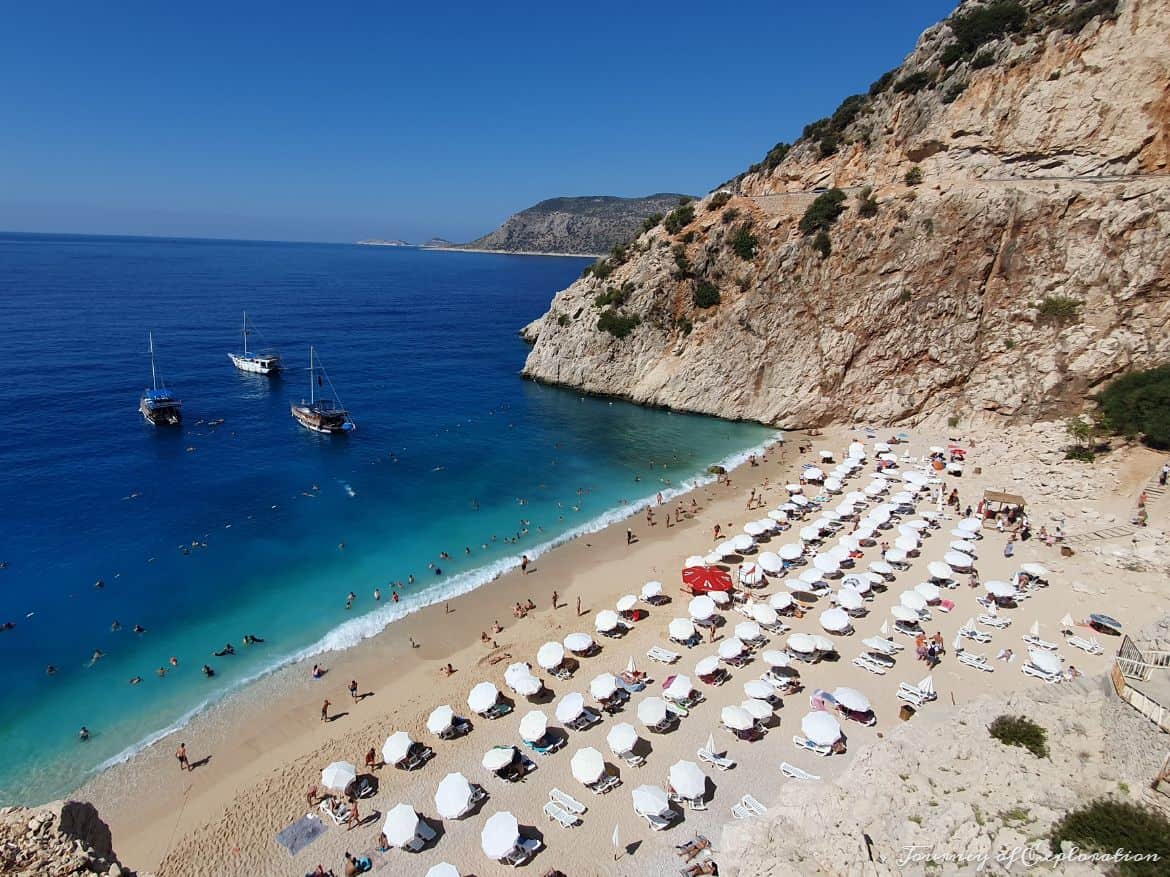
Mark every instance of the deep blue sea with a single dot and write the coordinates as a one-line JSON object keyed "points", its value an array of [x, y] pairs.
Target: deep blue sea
{"points": [[203, 534]]}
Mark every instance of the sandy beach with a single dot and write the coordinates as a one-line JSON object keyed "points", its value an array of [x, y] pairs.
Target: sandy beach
{"points": [[258, 753]]}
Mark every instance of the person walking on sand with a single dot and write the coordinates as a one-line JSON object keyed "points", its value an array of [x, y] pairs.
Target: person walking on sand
{"points": [[554, 596], [629, 536], [578, 607], [181, 755], [325, 710], [353, 692], [524, 564], [354, 817]]}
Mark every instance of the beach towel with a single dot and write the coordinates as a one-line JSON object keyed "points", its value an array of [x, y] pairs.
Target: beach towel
{"points": [[301, 833]]}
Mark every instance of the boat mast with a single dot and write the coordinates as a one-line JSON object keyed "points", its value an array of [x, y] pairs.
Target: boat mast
{"points": [[153, 373], [245, 334], [312, 378]]}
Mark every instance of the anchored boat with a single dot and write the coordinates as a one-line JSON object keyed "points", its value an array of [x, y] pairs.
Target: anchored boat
{"points": [[158, 405], [266, 362], [321, 415]]}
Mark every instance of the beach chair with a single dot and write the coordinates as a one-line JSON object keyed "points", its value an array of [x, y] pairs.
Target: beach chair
{"points": [[562, 672], [777, 628], [753, 806], [632, 759], [417, 757], [810, 746], [907, 628], [558, 814], [1085, 645], [498, 710], [782, 684], [525, 849], [720, 761], [1037, 643], [340, 816], [865, 662], [566, 801], [911, 695], [974, 634], [665, 725], [662, 655], [689, 643], [737, 662], [740, 812], [607, 783], [793, 772], [658, 823], [676, 709], [999, 622], [423, 835], [1031, 669], [978, 662]]}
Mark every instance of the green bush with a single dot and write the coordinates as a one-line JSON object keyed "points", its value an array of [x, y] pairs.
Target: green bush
{"points": [[744, 242], [983, 59], [953, 421], [822, 244], [1076, 452], [883, 82], [681, 261], [718, 200], [1081, 15], [1107, 825], [679, 218], [1020, 731], [913, 83], [867, 205], [685, 200], [913, 176], [1138, 403], [614, 295], [986, 23], [952, 53], [1058, 310], [823, 212], [952, 93], [729, 215], [685, 325], [563, 320], [617, 325], [652, 220], [827, 146], [706, 294]]}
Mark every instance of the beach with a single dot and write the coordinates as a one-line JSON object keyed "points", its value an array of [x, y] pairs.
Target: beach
{"points": [[263, 748]]}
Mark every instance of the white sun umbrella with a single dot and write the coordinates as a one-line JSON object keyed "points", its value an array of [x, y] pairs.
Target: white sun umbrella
{"points": [[453, 796], [794, 489], [570, 706], [833, 485], [498, 757], [695, 560], [550, 655], [338, 775], [814, 473], [856, 450], [780, 601], [880, 515], [681, 628], [881, 568], [533, 726], [396, 747], [750, 574], [856, 497], [844, 545], [730, 648], [743, 542], [440, 719], [518, 670], [863, 532], [901, 613], [961, 534], [747, 630], [826, 564], [791, 551], [621, 738], [971, 525], [895, 555], [1046, 661], [906, 544], [808, 534], [822, 643], [650, 590], [826, 455], [912, 600], [800, 500], [930, 593], [736, 718], [775, 658], [706, 666], [802, 643], [940, 571], [849, 600], [875, 487], [687, 780], [500, 835], [964, 546], [852, 699], [753, 528], [483, 697], [957, 560], [603, 686], [821, 728], [606, 620], [770, 524], [917, 525], [778, 515], [588, 765], [713, 559], [762, 613], [758, 689], [578, 642], [821, 523], [724, 549], [770, 563], [926, 686], [680, 688], [1003, 590], [1035, 569], [834, 620], [810, 577], [651, 801], [701, 608], [443, 869], [860, 584], [401, 825], [527, 686], [759, 710], [721, 598], [627, 603], [909, 532], [652, 711]]}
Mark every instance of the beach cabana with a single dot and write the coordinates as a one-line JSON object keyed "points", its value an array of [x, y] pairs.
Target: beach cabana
{"points": [[338, 775], [995, 501]]}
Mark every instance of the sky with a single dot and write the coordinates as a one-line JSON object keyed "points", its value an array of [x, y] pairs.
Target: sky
{"points": [[340, 121]]}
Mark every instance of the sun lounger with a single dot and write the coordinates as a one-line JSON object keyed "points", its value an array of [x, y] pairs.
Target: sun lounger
{"points": [[974, 634], [805, 743], [562, 672], [423, 835], [607, 783], [793, 772], [782, 684], [1085, 645], [557, 813], [753, 806], [720, 761], [740, 812], [777, 628], [911, 695], [977, 661], [459, 727], [340, 816], [498, 710], [1031, 669], [546, 746], [865, 662], [739, 661], [632, 759], [997, 621], [880, 659], [567, 801], [676, 709], [416, 758], [662, 655], [658, 823], [665, 725], [524, 850], [1037, 643]]}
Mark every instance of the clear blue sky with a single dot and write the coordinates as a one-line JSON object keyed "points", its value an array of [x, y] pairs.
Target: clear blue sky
{"points": [[336, 121]]}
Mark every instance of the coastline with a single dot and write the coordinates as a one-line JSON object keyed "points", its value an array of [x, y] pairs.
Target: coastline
{"points": [[511, 252]]}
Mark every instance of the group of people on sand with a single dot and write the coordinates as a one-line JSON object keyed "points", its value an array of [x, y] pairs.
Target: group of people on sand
{"points": [[929, 650]]}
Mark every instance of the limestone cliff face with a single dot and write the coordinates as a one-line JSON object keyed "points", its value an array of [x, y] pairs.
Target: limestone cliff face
{"points": [[1045, 163]]}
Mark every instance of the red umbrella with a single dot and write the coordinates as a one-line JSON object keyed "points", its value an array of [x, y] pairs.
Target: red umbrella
{"points": [[706, 578]]}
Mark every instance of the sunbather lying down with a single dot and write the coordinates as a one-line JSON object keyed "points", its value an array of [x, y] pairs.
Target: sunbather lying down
{"points": [[692, 848], [707, 867]]}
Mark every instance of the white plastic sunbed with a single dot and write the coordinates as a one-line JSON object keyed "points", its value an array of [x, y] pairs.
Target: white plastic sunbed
{"points": [[865, 662], [566, 801], [754, 807], [977, 661], [720, 761], [805, 743], [1037, 643], [996, 621], [912, 696], [1085, 645], [974, 634], [557, 813], [883, 645], [665, 656], [424, 834], [1031, 669], [793, 772], [658, 823]]}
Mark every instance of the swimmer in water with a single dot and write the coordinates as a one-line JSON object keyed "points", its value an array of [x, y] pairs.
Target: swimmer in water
{"points": [[251, 639], [226, 650], [50, 670], [97, 656], [83, 734], [136, 680], [138, 628], [207, 671], [115, 627]]}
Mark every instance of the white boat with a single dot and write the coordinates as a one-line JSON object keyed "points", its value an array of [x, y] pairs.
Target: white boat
{"points": [[158, 405], [321, 415], [266, 362]]}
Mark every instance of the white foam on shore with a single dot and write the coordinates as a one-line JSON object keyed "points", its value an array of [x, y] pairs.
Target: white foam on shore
{"points": [[352, 632]]}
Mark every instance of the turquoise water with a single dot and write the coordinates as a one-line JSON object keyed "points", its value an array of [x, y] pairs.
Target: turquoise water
{"points": [[453, 451]]}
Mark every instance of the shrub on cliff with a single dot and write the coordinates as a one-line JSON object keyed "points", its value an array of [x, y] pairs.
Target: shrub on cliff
{"points": [[1075, 20], [986, 23], [1106, 825], [707, 294], [614, 295], [1020, 731], [652, 220], [617, 325], [718, 200], [913, 176], [1139, 404], [823, 212], [914, 83], [1058, 310], [822, 244], [679, 218], [744, 242], [867, 205]]}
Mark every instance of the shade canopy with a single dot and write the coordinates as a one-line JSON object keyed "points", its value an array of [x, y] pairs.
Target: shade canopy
{"points": [[533, 726], [338, 775], [603, 686], [453, 796], [802, 643], [681, 628], [821, 728], [747, 631], [940, 571], [627, 603], [652, 711], [401, 825], [780, 601], [687, 780], [775, 658], [578, 642], [650, 590], [587, 765], [901, 613], [771, 563], [679, 687], [500, 835], [701, 579], [621, 738], [731, 648], [851, 699], [1046, 661], [483, 697], [570, 706], [736, 718], [498, 757], [849, 600], [651, 801], [606, 621], [441, 719], [396, 747], [550, 655], [835, 620], [758, 689], [706, 666], [701, 608]]}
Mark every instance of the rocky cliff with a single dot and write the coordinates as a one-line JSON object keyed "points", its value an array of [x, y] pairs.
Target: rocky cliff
{"points": [[993, 241], [57, 840], [593, 224]]}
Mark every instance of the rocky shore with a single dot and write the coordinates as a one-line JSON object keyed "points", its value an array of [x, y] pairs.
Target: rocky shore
{"points": [[60, 839]]}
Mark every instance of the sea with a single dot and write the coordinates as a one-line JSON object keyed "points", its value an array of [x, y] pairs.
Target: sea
{"points": [[125, 546]]}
